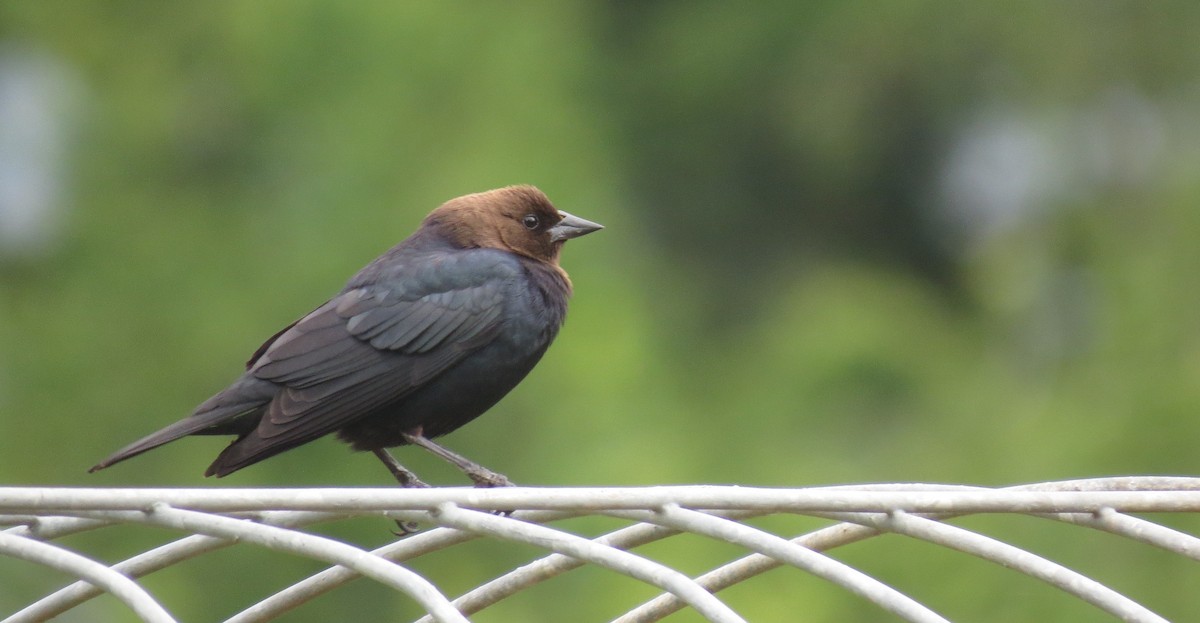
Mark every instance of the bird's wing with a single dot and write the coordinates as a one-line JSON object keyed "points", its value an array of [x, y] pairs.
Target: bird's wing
{"points": [[375, 343]]}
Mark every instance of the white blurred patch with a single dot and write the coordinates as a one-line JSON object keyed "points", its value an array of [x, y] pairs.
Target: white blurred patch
{"points": [[1007, 166], [1011, 169], [998, 172], [38, 96]]}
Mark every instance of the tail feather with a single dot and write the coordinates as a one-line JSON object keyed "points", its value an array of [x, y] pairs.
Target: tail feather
{"points": [[187, 426], [231, 412]]}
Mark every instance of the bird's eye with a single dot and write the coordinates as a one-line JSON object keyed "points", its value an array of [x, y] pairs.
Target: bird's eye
{"points": [[531, 221]]}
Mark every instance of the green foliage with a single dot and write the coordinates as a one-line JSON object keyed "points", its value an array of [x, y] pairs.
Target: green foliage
{"points": [[773, 301]]}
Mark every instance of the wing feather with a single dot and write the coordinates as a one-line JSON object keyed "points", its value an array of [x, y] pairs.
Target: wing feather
{"points": [[370, 346]]}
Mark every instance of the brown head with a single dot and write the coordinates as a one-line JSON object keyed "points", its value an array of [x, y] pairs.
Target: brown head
{"points": [[519, 219]]}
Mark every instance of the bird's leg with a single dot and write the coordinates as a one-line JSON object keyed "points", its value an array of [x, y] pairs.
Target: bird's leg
{"points": [[406, 478], [480, 475]]}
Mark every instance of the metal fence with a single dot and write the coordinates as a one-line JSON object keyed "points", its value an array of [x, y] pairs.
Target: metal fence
{"points": [[276, 519]]}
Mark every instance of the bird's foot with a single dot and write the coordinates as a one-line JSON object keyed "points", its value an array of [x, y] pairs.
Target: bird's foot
{"points": [[408, 480], [406, 528], [412, 482], [486, 478]]}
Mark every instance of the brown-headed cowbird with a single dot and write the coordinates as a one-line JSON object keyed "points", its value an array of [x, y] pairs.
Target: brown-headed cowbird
{"points": [[421, 341]]}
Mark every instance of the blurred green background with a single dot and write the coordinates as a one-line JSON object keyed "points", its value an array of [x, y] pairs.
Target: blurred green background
{"points": [[848, 241]]}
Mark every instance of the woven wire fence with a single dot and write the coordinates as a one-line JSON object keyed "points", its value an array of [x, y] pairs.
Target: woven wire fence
{"points": [[278, 520]]}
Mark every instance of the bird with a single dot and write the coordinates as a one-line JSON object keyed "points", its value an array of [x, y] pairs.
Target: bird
{"points": [[422, 340]]}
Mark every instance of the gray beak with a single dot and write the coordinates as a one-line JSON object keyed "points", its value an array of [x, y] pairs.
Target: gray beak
{"points": [[572, 227]]}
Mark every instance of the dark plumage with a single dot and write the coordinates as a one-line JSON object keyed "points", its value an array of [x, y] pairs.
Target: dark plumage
{"points": [[421, 341]]}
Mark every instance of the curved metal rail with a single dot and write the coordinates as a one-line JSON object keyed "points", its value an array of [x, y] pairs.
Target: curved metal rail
{"points": [[277, 519]]}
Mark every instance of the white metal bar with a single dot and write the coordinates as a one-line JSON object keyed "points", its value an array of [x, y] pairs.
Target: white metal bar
{"points": [[47, 528], [754, 564], [1097, 503], [551, 566], [145, 563], [1136, 529], [747, 567], [800, 557], [329, 550], [65, 500], [401, 550], [610, 558], [301, 544], [123, 588], [987, 548]]}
